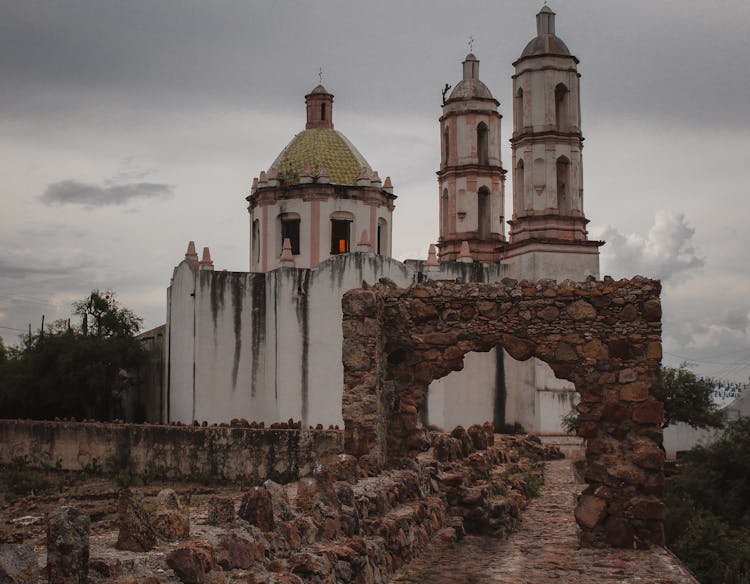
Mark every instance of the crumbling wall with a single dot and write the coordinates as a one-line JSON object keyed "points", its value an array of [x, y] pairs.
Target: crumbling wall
{"points": [[170, 452], [604, 336]]}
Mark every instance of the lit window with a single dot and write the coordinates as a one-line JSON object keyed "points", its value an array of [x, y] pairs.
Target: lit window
{"points": [[340, 236]]}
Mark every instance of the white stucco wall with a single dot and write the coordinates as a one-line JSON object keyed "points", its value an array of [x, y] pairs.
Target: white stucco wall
{"points": [[264, 347]]}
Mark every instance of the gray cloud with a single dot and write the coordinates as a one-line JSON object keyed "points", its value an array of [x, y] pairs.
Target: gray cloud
{"points": [[666, 252], [78, 193]]}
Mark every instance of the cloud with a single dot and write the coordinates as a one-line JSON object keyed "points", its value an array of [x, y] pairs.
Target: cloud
{"points": [[667, 252], [74, 192]]}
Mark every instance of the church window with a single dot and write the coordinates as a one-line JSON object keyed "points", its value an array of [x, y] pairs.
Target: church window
{"points": [[444, 214], [519, 179], [561, 106], [256, 242], [290, 223], [323, 112], [340, 235], [483, 154], [446, 144], [563, 183], [484, 212], [381, 241], [519, 110]]}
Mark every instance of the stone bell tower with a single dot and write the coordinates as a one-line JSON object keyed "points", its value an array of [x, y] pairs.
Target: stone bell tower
{"points": [[548, 237], [471, 175]]}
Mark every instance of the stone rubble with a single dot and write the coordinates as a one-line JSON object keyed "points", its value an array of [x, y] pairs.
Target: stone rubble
{"points": [[337, 525], [68, 546]]}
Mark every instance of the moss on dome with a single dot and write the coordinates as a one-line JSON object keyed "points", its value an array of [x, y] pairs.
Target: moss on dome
{"points": [[316, 148]]}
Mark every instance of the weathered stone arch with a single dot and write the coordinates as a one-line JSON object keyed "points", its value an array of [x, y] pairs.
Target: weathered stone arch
{"points": [[604, 336]]}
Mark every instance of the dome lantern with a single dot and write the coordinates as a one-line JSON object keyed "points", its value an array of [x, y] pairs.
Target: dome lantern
{"points": [[319, 108]]}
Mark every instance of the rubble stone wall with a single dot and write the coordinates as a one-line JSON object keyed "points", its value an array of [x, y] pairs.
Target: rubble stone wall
{"points": [[604, 336], [170, 452]]}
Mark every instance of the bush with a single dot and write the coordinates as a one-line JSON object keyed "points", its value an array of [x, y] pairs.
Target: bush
{"points": [[708, 508]]}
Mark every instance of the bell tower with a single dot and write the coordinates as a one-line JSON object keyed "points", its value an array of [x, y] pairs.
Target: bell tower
{"points": [[471, 176], [547, 146]]}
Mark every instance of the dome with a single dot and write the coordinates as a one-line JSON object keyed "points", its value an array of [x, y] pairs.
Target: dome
{"points": [[546, 44], [316, 148], [471, 88], [546, 41]]}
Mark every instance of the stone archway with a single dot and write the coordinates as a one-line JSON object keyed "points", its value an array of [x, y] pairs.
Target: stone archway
{"points": [[604, 336]]}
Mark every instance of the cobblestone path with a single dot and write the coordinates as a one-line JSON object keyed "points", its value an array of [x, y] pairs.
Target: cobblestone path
{"points": [[543, 550]]}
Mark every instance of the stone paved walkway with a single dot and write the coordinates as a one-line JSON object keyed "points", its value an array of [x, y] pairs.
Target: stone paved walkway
{"points": [[544, 549]]}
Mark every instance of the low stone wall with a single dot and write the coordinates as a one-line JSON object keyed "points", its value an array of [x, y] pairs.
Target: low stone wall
{"points": [[169, 452]]}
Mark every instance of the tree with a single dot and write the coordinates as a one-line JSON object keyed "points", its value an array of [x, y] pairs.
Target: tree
{"points": [[76, 372], [688, 398], [708, 507], [102, 316]]}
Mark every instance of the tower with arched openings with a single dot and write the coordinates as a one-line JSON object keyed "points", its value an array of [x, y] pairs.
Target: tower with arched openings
{"points": [[548, 237], [471, 176]]}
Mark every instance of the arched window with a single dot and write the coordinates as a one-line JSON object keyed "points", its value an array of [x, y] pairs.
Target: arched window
{"points": [[519, 179], [563, 184], [484, 213], [519, 110], [444, 214], [561, 106], [322, 112], [256, 243], [382, 245], [290, 223], [446, 144], [483, 155], [341, 230]]}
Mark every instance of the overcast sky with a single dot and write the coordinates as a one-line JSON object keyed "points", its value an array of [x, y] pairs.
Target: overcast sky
{"points": [[129, 128]]}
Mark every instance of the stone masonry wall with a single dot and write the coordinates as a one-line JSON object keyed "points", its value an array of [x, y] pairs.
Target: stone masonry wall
{"points": [[604, 336], [171, 452]]}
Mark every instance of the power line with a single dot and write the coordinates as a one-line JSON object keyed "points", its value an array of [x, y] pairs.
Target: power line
{"points": [[10, 328]]}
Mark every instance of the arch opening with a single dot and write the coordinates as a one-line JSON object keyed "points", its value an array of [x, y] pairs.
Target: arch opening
{"points": [[444, 214], [519, 110], [483, 149], [562, 169], [561, 106], [609, 352], [484, 212]]}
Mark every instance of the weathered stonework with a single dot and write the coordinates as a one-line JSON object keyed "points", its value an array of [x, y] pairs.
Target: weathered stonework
{"points": [[604, 336], [283, 452]]}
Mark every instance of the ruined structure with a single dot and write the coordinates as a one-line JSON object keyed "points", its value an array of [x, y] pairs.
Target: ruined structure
{"points": [[604, 337]]}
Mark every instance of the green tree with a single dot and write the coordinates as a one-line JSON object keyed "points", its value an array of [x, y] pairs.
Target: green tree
{"points": [[708, 507], [78, 371], [688, 398]]}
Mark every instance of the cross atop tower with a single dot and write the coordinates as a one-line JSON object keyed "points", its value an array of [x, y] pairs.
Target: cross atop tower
{"points": [[320, 75], [471, 44]]}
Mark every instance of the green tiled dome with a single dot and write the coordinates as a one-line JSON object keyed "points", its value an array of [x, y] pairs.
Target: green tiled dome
{"points": [[318, 147]]}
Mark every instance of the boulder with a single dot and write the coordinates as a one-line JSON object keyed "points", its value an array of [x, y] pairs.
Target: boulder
{"points": [[136, 532], [18, 563], [171, 519], [68, 546], [234, 551], [257, 508], [220, 511], [192, 562]]}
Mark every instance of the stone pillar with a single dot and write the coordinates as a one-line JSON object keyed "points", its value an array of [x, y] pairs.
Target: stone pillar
{"points": [[68, 546], [364, 406]]}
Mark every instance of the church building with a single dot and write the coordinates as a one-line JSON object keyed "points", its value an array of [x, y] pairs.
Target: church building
{"points": [[266, 344]]}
